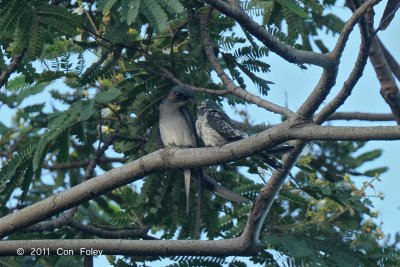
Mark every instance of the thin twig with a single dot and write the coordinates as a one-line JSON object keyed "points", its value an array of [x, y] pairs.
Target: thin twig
{"points": [[11, 68]]}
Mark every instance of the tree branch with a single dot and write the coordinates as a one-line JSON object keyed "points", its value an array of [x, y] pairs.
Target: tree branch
{"points": [[348, 28], [393, 64], [354, 77], [361, 116], [389, 90], [229, 247], [264, 201], [11, 68]]}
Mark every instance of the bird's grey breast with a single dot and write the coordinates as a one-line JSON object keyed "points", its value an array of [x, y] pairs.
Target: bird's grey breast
{"points": [[175, 130]]}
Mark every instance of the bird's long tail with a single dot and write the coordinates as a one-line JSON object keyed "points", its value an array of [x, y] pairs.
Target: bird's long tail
{"points": [[186, 175], [211, 185]]}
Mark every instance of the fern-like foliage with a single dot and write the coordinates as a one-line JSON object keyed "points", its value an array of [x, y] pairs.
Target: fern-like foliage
{"points": [[16, 172], [18, 90], [28, 25], [155, 11], [249, 66], [58, 125], [302, 18]]}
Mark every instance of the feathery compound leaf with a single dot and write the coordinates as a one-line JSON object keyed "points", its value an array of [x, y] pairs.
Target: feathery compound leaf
{"points": [[294, 7], [370, 155], [106, 5], [228, 42], [10, 16], [29, 22], [107, 96], [129, 10], [37, 40], [58, 18], [155, 14], [57, 126], [251, 52], [8, 181], [22, 90], [172, 6]]}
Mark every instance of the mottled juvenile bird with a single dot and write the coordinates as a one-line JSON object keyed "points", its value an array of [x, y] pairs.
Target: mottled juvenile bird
{"points": [[177, 128], [216, 128]]}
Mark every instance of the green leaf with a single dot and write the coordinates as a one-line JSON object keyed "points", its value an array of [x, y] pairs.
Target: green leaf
{"points": [[107, 96], [3, 129], [377, 171], [293, 6], [59, 123], [172, 6], [10, 172], [370, 155], [129, 10], [155, 14], [28, 176], [87, 109], [106, 5]]}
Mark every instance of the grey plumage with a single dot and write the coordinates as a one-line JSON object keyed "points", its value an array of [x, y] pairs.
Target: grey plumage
{"points": [[177, 128], [216, 128]]}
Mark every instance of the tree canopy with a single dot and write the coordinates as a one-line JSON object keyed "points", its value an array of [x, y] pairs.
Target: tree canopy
{"points": [[80, 167]]}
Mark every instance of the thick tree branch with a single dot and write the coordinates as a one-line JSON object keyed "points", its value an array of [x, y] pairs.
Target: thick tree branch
{"points": [[229, 247], [288, 53], [361, 116], [186, 158], [342, 133], [389, 89], [393, 64]]}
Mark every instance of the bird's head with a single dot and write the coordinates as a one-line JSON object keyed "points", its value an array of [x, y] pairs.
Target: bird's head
{"points": [[180, 93], [206, 106]]}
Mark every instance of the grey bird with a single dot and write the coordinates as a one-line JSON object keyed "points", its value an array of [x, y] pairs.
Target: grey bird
{"points": [[177, 128], [216, 128]]}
